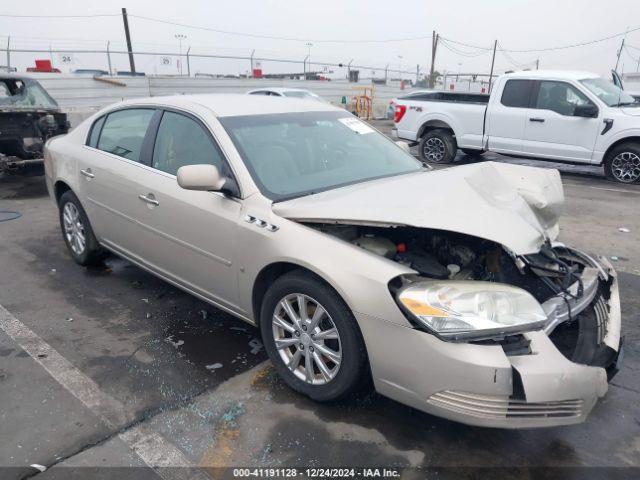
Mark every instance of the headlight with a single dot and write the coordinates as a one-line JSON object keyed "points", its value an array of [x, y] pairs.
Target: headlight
{"points": [[459, 309]]}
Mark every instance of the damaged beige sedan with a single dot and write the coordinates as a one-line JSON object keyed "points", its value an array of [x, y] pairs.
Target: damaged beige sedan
{"points": [[447, 290]]}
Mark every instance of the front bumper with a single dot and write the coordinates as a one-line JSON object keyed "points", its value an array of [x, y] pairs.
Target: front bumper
{"points": [[480, 384]]}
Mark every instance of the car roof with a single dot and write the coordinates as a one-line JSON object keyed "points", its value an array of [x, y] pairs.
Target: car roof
{"points": [[555, 74], [232, 104]]}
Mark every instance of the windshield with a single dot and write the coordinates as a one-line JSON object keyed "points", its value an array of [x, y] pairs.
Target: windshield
{"points": [[609, 93], [18, 93], [296, 154]]}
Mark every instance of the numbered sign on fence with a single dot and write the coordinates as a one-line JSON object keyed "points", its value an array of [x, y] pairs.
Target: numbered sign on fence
{"points": [[66, 58]]}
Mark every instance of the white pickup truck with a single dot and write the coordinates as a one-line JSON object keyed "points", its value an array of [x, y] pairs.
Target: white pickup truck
{"points": [[572, 117]]}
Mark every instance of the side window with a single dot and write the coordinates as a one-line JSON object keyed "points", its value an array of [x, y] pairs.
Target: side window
{"points": [[560, 97], [95, 132], [260, 92], [124, 131], [517, 93], [183, 141]]}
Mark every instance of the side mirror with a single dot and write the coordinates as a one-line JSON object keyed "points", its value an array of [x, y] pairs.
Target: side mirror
{"points": [[403, 145], [201, 177], [588, 111]]}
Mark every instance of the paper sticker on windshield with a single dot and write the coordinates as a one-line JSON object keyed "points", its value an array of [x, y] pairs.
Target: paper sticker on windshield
{"points": [[356, 125]]}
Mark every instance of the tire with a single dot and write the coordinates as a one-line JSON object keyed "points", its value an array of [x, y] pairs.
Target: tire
{"points": [[70, 209], [471, 152], [352, 370], [438, 146], [623, 163]]}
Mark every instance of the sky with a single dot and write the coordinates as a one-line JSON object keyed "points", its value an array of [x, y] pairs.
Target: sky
{"points": [[335, 28]]}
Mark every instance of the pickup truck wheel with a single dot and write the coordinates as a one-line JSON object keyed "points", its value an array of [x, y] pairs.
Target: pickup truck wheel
{"points": [[623, 163], [312, 338], [77, 232], [438, 146]]}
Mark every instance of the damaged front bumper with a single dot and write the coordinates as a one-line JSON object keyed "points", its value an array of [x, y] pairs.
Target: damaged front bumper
{"points": [[486, 385]]}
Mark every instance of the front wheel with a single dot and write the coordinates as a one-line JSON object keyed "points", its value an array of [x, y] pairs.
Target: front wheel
{"points": [[623, 163], [312, 338], [438, 146]]}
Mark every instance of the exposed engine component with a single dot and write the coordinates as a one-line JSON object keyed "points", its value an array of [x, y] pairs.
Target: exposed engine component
{"points": [[379, 245], [567, 284]]}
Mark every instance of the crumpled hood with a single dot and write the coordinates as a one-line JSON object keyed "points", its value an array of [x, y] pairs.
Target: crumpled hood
{"points": [[513, 205]]}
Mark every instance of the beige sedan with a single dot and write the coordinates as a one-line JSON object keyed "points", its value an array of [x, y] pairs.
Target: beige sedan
{"points": [[446, 290]]}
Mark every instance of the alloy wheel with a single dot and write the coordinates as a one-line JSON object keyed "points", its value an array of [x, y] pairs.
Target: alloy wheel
{"points": [[307, 339], [626, 167], [434, 150], [73, 228]]}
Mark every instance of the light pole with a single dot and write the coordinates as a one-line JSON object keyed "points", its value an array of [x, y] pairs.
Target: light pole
{"points": [[400, 66], [308, 45], [180, 37]]}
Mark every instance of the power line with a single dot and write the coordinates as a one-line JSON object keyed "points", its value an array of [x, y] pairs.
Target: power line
{"points": [[275, 37], [61, 16], [457, 51]]}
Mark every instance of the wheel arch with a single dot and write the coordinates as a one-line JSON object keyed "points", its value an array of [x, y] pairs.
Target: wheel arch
{"points": [[433, 124], [59, 188], [270, 273], [617, 143]]}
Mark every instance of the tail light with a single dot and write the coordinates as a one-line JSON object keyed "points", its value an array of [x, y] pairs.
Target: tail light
{"points": [[399, 113]]}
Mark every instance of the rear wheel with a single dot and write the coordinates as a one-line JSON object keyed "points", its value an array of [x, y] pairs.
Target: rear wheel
{"points": [[77, 232], [312, 338], [438, 146], [623, 163]]}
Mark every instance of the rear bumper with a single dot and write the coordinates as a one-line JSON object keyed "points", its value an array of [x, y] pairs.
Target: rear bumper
{"points": [[480, 384]]}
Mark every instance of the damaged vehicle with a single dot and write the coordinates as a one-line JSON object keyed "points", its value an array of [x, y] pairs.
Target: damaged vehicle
{"points": [[446, 290], [28, 118]]}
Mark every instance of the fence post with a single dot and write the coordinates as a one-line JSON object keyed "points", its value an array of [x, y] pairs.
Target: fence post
{"points": [[109, 58], [304, 66], [386, 74], [417, 73], [9, 53], [251, 61], [188, 64]]}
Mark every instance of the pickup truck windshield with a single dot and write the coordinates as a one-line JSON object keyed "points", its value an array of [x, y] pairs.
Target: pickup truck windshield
{"points": [[606, 91], [295, 154], [24, 93]]}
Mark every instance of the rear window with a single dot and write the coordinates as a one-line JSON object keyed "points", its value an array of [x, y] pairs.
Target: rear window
{"points": [[124, 131], [517, 93]]}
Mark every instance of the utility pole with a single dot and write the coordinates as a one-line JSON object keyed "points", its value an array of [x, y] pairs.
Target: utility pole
{"points": [[109, 57], [9, 54], [251, 60], [493, 61], [620, 51], [417, 73], [132, 64], [537, 64], [434, 47], [188, 64], [180, 37]]}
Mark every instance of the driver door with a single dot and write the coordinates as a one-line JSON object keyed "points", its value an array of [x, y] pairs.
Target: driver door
{"points": [[551, 128]]}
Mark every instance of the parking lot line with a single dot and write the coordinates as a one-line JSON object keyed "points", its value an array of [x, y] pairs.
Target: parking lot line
{"points": [[620, 190], [153, 449]]}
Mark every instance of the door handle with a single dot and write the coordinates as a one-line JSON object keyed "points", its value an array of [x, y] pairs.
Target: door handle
{"points": [[87, 173], [149, 198], [536, 119]]}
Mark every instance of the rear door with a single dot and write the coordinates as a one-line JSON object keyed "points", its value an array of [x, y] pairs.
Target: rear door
{"points": [[506, 116], [189, 236], [553, 131], [114, 156]]}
